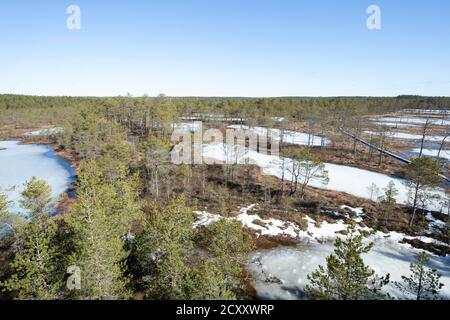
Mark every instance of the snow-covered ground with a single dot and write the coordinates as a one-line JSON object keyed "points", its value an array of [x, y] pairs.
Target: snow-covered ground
{"points": [[292, 137], [315, 232], [187, 126], [43, 132], [409, 136], [394, 124], [347, 179], [445, 154], [291, 265], [427, 111], [275, 227], [20, 162], [414, 120]]}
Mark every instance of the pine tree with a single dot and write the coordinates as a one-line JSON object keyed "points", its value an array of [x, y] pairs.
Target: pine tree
{"points": [[101, 219], [36, 199], [304, 169], [163, 248], [7, 220], [204, 282], [35, 273], [174, 264], [228, 247], [346, 277], [423, 283], [388, 200], [422, 173]]}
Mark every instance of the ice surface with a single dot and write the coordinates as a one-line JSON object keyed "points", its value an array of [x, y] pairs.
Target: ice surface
{"points": [[408, 136], [20, 162], [346, 179], [291, 265], [445, 154], [187, 126], [393, 124], [414, 120], [292, 137]]}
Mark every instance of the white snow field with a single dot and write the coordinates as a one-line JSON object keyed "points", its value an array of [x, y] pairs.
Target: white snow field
{"points": [[314, 232], [445, 154], [409, 136], [292, 137], [291, 265], [346, 179], [187, 126], [393, 124], [414, 120], [43, 132], [20, 162]]}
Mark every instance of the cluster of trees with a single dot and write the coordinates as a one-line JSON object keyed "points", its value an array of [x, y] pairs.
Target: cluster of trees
{"points": [[126, 235], [118, 246]]}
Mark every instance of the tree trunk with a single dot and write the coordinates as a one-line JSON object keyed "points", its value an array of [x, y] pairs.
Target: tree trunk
{"points": [[416, 192]]}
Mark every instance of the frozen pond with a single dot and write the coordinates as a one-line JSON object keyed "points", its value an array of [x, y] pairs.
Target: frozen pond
{"points": [[291, 137], [20, 162], [408, 136], [414, 120], [342, 178], [291, 265], [445, 154], [393, 124]]}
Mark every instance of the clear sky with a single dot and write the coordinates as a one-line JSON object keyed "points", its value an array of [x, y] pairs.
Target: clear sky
{"points": [[225, 48]]}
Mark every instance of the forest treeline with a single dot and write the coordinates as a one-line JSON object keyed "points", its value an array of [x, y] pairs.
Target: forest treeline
{"points": [[19, 108]]}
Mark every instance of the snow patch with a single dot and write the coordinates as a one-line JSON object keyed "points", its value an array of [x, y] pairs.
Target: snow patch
{"points": [[288, 136], [43, 132]]}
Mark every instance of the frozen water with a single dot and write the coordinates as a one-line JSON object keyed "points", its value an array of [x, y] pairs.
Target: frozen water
{"points": [[445, 154], [292, 137], [187, 126], [393, 124], [347, 179], [292, 265], [20, 162], [414, 120], [409, 136]]}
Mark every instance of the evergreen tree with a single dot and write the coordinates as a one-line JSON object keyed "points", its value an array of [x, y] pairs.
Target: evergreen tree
{"points": [[346, 277], [36, 199], [101, 219], [388, 200], [229, 247], [7, 220], [304, 169], [35, 274], [204, 282], [174, 264], [155, 153], [423, 283], [422, 173], [163, 249]]}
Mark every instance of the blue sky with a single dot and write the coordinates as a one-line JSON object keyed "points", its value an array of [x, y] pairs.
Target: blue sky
{"points": [[225, 48]]}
